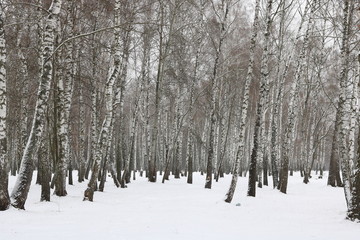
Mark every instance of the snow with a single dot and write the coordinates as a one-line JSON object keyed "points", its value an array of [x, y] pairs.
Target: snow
{"points": [[177, 210]]}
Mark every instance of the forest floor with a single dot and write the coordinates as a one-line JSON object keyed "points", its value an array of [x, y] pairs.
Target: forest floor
{"points": [[177, 210]]}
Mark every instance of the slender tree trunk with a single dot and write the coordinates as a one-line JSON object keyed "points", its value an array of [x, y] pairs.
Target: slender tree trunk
{"points": [[22, 185], [292, 108], [334, 178], [278, 98], [102, 142], [214, 88], [4, 173], [65, 88], [344, 102], [24, 99], [94, 112], [257, 153], [225, 135], [44, 168], [154, 138], [245, 105], [354, 211], [190, 141], [81, 158], [129, 164]]}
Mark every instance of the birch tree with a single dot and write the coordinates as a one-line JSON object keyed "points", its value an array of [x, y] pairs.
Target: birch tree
{"points": [[354, 209], [65, 88], [345, 102], [245, 105], [152, 173], [257, 151], [222, 14], [22, 185], [4, 174], [103, 137], [292, 114]]}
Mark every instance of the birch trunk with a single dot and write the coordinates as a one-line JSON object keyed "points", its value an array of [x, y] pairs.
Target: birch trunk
{"points": [[103, 139], [24, 99], [334, 178], [224, 143], [129, 164], [145, 83], [203, 144], [225, 5], [4, 173], [154, 135], [345, 103], [44, 166], [292, 108], [65, 88], [94, 112], [257, 152], [244, 107], [354, 112], [22, 185], [190, 141], [81, 158], [354, 211], [278, 98]]}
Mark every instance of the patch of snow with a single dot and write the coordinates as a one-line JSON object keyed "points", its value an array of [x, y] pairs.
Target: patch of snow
{"points": [[177, 210]]}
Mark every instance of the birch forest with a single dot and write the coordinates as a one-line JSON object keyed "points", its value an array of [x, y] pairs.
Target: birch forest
{"points": [[97, 90]]}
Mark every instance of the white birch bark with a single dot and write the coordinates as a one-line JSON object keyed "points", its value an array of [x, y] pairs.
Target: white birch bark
{"points": [[354, 212], [257, 154], [102, 142], [4, 174], [345, 102], [145, 108], [214, 88], [22, 185], [286, 152], [354, 112], [23, 72], [275, 128], [94, 113], [65, 88], [81, 158], [245, 105]]}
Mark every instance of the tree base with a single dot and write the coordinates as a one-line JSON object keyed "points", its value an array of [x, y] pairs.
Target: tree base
{"points": [[4, 204], [88, 195]]}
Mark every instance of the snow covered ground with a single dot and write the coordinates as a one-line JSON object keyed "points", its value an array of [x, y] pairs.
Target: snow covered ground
{"points": [[176, 210]]}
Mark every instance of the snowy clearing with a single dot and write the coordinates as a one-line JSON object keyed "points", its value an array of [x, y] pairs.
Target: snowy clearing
{"points": [[176, 210]]}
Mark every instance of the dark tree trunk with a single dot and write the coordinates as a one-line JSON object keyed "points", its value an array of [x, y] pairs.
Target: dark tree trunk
{"points": [[103, 177], [176, 161], [71, 181], [210, 151], [88, 167], [265, 169], [4, 194], [334, 178], [306, 178], [190, 166], [252, 168], [44, 172]]}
